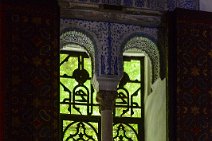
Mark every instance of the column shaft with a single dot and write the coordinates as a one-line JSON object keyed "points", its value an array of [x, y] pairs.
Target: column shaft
{"points": [[106, 100], [107, 125]]}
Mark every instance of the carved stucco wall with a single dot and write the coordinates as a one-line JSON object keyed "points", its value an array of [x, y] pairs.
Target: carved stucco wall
{"points": [[187, 4], [111, 39], [108, 42]]}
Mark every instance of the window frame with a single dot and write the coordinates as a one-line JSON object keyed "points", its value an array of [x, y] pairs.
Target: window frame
{"points": [[117, 120]]}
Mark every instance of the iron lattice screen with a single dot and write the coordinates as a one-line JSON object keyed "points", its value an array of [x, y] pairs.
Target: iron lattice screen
{"points": [[79, 111]]}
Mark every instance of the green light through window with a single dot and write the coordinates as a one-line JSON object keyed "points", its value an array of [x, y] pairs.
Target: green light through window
{"points": [[79, 111], [76, 93]]}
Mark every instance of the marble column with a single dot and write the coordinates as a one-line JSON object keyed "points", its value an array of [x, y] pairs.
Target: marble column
{"points": [[107, 93], [106, 100]]}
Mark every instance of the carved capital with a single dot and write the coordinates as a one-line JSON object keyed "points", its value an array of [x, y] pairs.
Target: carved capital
{"points": [[106, 99], [105, 83]]}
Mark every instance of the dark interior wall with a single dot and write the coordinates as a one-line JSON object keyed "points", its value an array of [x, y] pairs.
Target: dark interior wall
{"points": [[190, 67], [29, 40], [2, 84]]}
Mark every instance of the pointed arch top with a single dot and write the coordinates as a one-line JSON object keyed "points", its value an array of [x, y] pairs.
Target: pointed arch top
{"points": [[145, 45]]}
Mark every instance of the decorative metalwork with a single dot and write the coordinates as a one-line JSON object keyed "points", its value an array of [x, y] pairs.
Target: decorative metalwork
{"points": [[83, 131], [129, 102], [77, 94], [83, 39], [123, 132], [79, 111]]}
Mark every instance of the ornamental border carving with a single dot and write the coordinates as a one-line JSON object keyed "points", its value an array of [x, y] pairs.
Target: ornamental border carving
{"points": [[82, 38], [145, 45]]}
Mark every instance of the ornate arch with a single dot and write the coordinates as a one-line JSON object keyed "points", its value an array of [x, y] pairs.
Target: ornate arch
{"points": [[76, 36], [147, 46], [81, 38]]}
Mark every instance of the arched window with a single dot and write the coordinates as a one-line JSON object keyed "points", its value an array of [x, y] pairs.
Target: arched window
{"points": [[129, 106], [77, 97], [154, 103], [79, 111]]}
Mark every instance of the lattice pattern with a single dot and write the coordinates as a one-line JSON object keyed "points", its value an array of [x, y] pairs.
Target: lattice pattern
{"points": [[76, 95], [129, 102], [80, 131], [122, 132], [80, 116]]}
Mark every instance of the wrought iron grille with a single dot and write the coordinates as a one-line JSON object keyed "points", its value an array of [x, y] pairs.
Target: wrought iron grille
{"points": [[129, 102], [79, 111]]}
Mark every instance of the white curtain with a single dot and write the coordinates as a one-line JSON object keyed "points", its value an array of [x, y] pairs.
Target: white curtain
{"points": [[155, 112]]}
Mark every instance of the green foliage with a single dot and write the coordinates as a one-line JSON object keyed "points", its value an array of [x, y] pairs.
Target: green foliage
{"points": [[133, 68], [69, 64]]}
